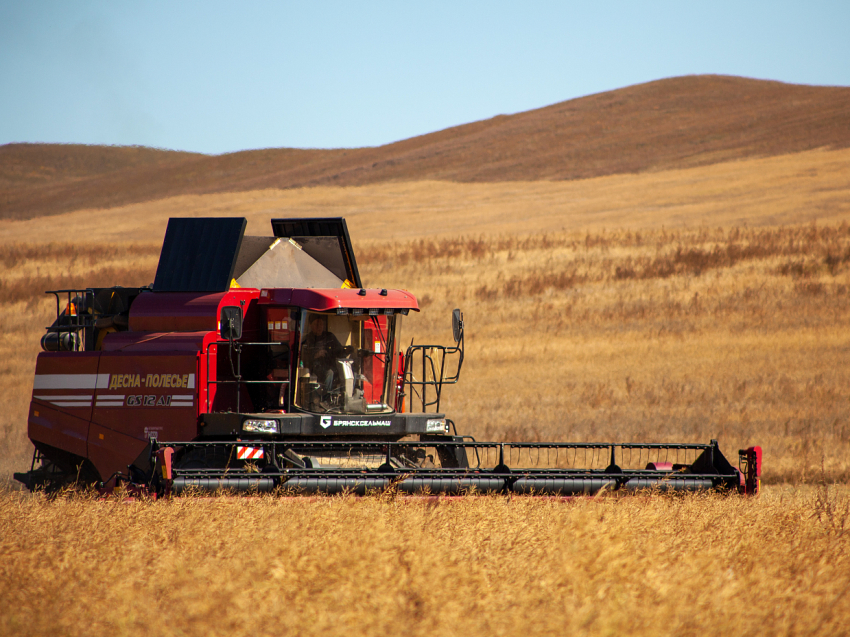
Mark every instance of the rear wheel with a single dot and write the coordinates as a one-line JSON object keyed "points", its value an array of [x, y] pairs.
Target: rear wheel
{"points": [[56, 470]]}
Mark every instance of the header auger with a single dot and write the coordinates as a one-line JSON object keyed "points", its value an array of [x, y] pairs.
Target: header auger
{"points": [[263, 364]]}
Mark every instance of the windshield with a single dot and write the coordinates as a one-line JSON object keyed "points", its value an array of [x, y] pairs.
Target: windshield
{"points": [[345, 363]]}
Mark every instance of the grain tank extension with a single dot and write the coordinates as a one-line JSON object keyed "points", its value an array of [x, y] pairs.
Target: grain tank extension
{"points": [[264, 364]]}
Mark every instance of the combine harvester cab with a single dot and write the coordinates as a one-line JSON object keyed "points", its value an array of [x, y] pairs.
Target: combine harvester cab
{"points": [[262, 363]]}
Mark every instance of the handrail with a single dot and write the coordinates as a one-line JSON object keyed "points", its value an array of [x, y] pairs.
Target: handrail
{"points": [[76, 321], [238, 380], [429, 365]]}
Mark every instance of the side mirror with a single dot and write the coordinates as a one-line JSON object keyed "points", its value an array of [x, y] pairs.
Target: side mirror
{"points": [[457, 325], [231, 323]]}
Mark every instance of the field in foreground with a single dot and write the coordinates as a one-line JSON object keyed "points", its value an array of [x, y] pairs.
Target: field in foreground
{"points": [[651, 565]]}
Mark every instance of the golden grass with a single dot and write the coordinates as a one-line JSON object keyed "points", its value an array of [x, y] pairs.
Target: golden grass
{"points": [[650, 565], [769, 191]]}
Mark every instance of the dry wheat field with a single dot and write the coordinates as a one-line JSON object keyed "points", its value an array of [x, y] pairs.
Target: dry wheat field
{"points": [[654, 565], [684, 334], [681, 335]]}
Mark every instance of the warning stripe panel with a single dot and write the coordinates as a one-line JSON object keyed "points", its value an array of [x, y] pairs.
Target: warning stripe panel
{"points": [[249, 453]]}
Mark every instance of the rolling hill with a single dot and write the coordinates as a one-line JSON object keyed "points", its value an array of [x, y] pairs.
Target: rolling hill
{"points": [[672, 123]]}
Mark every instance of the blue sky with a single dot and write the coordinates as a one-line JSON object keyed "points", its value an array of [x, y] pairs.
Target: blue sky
{"points": [[217, 77]]}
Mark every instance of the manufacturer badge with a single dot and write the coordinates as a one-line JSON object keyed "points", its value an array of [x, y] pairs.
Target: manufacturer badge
{"points": [[326, 421]]}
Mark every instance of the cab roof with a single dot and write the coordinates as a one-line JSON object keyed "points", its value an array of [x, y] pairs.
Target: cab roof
{"points": [[329, 300]]}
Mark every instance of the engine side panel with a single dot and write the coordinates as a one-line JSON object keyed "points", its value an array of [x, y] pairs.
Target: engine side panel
{"points": [[148, 394], [62, 399], [142, 395]]}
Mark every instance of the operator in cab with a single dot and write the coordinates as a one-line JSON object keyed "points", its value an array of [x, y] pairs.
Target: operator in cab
{"points": [[320, 350]]}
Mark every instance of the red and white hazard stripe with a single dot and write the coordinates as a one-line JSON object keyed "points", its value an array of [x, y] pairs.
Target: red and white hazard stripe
{"points": [[249, 453]]}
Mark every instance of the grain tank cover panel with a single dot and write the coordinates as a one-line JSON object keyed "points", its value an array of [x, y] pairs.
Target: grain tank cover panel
{"points": [[324, 239], [199, 255], [286, 265], [252, 249]]}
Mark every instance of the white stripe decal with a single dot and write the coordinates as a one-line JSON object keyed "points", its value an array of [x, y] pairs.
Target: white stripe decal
{"points": [[65, 381], [103, 381], [63, 404], [191, 381], [111, 397], [110, 403], [53, 397]]}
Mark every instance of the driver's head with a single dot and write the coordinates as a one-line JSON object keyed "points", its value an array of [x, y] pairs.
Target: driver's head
{"points": [[318, 324]]}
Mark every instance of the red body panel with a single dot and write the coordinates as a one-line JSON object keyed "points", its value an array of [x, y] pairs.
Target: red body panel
{"points": [[133, 342], [184, 311], [374, 365], [757, 453], [111, 451], [58, 429]]}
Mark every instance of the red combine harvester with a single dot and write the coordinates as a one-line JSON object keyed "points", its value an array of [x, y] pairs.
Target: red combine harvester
{"points": [[262, 363]]}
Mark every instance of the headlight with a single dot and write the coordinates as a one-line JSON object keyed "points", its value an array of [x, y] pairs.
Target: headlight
{"points": [[261, 426], [436, 424]]}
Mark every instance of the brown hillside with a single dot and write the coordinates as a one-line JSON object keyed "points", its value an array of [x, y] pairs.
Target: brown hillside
{"points": [[37, 165], [678, 122]]}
